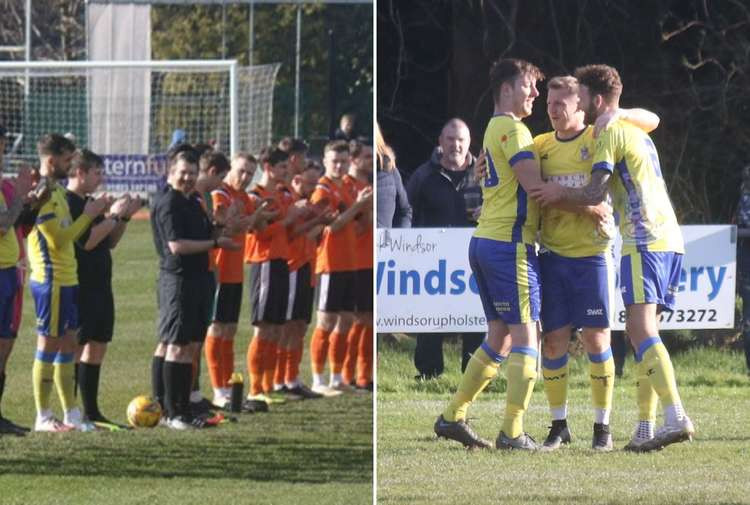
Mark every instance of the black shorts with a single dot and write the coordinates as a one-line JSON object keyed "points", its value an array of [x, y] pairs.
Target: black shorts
{"points": [[364, 290], [212, 286], [227, 303], [96, 314], [269, 291], [184, 305], [299, 305], [337, 291]]}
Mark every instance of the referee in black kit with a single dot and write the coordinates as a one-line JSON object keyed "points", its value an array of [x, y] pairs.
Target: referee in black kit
{"points": [[183, 236], [96, 307]]}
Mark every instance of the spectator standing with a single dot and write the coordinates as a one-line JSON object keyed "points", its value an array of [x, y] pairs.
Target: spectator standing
{"points": [[393, 209], [743, 222], [445, 192], [346, 130]]}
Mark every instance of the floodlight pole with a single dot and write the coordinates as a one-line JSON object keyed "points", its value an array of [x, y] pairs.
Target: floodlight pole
{"points": [[223, 30], [233, 112], [251, 42], [296, 73], [28, 45], [28, 30]]}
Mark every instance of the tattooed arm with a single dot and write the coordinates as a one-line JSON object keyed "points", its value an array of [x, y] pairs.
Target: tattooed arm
{"points": [[592, 194]]}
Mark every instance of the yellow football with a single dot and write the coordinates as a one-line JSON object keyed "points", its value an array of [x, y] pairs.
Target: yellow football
{"points": [[143, 412]]}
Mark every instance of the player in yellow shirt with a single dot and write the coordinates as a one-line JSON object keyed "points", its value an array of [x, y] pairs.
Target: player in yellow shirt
{"points": [[576, 263], [12, 195], [54, 285], [504, 262], [625, 162]]}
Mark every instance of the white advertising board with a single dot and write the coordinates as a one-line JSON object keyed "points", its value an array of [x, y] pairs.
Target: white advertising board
{"points": [[424, 282]]}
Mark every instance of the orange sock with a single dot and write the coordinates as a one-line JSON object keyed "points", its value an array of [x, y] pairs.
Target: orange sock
{"points": [[213, 360], [269, 366], [281, 361], [337, 351], [293, 358], [319, 350], [255, 364], [352, 349], [227, 361], [364, 360]]}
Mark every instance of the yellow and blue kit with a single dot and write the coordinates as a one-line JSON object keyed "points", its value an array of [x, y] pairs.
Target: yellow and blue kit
{"points": [[54, 277], [576, 262], [652, 245], [501, 252], [8, 276]]}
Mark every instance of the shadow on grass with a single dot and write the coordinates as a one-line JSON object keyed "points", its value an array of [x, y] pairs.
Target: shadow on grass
{"points": [[267, 461], [314, 443]]}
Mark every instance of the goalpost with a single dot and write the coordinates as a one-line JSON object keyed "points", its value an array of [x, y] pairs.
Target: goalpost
{"points": [[128, 111]]}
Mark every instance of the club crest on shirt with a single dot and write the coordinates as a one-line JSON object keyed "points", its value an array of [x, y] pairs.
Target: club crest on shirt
{"points": [[585, 153]]}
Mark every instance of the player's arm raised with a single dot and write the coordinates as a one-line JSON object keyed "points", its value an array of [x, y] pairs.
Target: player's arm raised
{"points": [[363, 198], [49, 224], [134, 205], [642, 118], [21, 186], [106, 228]]}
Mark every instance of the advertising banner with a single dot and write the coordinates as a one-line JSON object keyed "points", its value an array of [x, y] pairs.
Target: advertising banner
{"points": [[424, 283], [134, 173]]}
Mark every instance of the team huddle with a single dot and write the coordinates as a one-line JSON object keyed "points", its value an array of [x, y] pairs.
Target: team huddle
{"points": [[563, 192], [297, 228]]}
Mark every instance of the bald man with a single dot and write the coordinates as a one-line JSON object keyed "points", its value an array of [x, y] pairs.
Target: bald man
{"points": [[444, 192]]}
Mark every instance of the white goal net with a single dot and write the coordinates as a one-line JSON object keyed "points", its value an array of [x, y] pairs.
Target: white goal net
{"points": [[128, 112]]}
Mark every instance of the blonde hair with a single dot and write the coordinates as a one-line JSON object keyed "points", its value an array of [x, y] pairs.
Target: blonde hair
{"points": [[564, 82], [386, 158]]}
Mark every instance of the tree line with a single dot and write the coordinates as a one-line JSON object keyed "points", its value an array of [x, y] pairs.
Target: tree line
{"points": [[686, 60]]}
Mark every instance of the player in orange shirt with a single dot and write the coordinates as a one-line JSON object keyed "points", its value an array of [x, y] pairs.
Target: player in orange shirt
{"points": [[297, 150], [359, 340], [335, 267], [212, 168], [229, 198], [299, 306], [267, 252]]}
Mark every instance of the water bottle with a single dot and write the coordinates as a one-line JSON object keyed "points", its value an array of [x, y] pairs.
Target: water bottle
{"points": [[235, 402]]}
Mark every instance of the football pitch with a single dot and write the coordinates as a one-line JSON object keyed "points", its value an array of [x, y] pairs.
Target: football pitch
{"points": [[415, 468], [313, 451]]}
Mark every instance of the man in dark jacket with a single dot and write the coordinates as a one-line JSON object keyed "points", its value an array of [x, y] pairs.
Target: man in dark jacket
{"points": [[743, 258], [444, 192]]}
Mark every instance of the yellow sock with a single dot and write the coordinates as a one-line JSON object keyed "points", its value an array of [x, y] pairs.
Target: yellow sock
{"points": [[480, 370], [41, 374], [555, 374], [65, 380], [655, 358], [521, 376], [602, 376], [647, 397]]}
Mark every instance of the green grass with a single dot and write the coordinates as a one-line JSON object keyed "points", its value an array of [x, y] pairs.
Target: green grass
{"points": [[317, 451], [414, 467]]}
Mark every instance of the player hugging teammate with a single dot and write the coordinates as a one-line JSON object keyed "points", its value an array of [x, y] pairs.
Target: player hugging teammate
{"points": [[565, 179]]}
